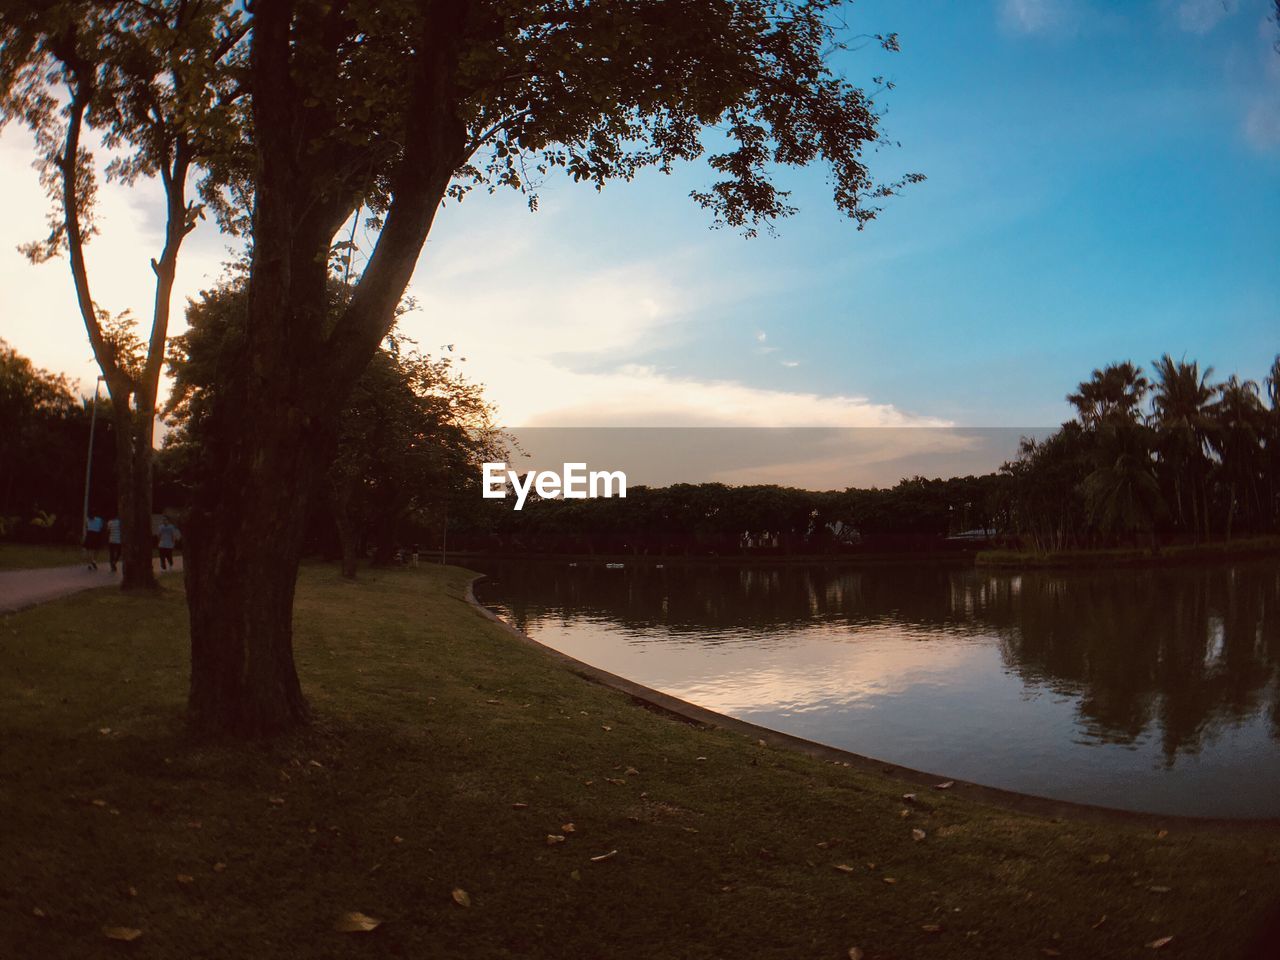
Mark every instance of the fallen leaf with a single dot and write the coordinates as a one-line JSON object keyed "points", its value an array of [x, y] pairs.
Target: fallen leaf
{"points": [[605, 726], [37, 912], [1159, 889], [822, 844], [604, 856], [493, 701], [554, 838], [614, 780], [356, 922], [944, 785], [917, 835], [98, 803], [632, 772], [219, 867], [276, 801], [104, 730], [1101, 920], [519, 806], [844, 868], [904, 813], [186, 879], [1050, 952], [1100, 858], [909, 797], [931, 927], [889, 879], [461, 897], [855, 954], [127, 934], [568, 828], [133, 891], [1161, 834], [315, 763], [1161, 942], [700, 758]]}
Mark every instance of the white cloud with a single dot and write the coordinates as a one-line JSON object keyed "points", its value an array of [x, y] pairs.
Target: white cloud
{"points": [[557, 330], [1261, 123], [1034, 16], [790, 363], [561, 346], [632, 395], [1199, 16]]}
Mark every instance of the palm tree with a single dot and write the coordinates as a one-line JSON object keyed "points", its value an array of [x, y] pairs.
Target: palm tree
{"points": [[1114, 391], [1242, 422], [1183, 421], [1122, 494]]}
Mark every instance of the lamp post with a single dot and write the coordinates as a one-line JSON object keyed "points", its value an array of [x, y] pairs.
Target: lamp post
{"points": [[88, 465]]}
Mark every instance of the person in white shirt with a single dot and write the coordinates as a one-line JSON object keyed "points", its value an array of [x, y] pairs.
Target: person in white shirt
{"points": [[168, 535], [113, 542], [92, 540]]}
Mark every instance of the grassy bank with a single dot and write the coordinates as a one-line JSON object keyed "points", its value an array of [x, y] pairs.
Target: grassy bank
{"points": [[27, 556], [444, 755], [1245, 549]]}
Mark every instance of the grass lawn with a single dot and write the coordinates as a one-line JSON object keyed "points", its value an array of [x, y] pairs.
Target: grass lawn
{"points": [[446, 753], [26, 556]]}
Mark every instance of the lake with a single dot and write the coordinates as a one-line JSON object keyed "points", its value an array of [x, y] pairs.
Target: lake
{"points": [[1146, 689]]}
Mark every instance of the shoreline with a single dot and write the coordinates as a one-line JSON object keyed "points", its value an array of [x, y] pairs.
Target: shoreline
{"points": [[687, 712], [1255, 548]]}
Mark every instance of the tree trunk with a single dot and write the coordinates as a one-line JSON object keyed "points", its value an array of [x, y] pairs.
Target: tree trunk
{"points": [[273, 411], [134, 470], [244, 547], [133, 493]]}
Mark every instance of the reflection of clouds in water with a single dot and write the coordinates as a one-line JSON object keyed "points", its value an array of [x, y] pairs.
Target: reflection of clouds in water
{"points": [[1153, 689]]}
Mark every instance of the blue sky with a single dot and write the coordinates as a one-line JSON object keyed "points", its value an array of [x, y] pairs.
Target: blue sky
{"points": [[1104, 184]]}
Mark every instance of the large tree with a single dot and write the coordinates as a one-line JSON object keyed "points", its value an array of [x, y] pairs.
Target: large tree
{"points": [[149, 83], [396, 106]]}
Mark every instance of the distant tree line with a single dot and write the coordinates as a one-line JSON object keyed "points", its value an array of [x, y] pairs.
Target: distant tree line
{"points": [[44, 440], [44, 447], [713, 518], [1170, 458]]}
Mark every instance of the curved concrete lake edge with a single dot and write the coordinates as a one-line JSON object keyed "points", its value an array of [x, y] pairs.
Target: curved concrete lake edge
{"points": [[1031, 804]]}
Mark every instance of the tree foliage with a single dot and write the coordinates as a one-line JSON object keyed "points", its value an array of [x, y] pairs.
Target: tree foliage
{"points": [[1198, 461], [44, 432], [154, 87]]}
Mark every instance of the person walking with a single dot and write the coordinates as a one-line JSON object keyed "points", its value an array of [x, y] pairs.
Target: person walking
{"points": [[92, 540], [168, 535], [113, 542]]}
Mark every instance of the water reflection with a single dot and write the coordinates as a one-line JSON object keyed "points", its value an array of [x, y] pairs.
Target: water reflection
{"points": [[1150, 688]]}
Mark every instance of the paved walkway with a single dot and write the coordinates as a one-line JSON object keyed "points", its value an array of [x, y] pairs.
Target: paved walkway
{"points": [[20, 589]]}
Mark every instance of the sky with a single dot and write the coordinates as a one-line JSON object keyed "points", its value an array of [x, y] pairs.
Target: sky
{"points": [[1103, 184]]}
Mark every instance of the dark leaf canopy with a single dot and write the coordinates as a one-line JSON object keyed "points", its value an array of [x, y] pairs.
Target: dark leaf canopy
{"points": [[597, 90]]}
